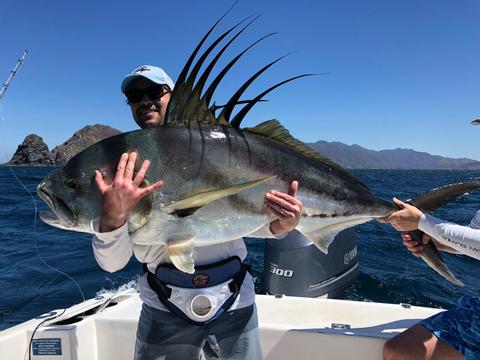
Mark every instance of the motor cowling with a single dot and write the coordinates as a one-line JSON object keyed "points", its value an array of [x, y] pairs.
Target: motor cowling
{"points": [[295, 266]]}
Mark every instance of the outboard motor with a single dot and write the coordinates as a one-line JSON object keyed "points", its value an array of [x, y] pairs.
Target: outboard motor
{"points": [[296, 267]]}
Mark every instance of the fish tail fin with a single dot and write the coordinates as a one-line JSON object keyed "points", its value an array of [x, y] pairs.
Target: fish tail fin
{"points": [[435, 198], [428, 202], [432, 257]]}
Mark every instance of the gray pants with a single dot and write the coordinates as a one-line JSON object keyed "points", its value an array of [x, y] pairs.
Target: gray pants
{"points": [[163, 336]]}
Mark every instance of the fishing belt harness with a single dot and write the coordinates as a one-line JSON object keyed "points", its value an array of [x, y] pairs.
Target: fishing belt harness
{"points": [[214, 281]]}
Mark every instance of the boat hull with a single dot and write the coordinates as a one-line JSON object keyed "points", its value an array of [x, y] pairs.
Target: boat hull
{"points": [[290, 328]]}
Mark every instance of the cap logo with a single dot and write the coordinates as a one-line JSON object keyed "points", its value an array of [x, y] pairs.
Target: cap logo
{"points": [[142, 69]]}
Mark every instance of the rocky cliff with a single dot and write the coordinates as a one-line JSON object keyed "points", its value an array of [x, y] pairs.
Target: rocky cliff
{"points": [[34, 152], [83, 138]]}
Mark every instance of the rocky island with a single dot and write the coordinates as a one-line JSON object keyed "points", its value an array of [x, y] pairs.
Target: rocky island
{"points": [[34, 152]]}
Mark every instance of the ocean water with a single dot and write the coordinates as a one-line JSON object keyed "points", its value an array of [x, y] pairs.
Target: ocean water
{"points": [[31, 250]]}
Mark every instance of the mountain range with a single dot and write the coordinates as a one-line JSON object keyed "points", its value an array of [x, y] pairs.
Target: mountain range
{"points": [[34, 152], [357, 157]]}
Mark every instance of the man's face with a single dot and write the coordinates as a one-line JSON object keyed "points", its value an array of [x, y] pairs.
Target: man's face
{"points": [[149, 111]]}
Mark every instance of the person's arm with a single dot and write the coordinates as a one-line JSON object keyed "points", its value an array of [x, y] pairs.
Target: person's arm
{"points": [[112, 250], [463, 239], [111, 243], [475, 223]]}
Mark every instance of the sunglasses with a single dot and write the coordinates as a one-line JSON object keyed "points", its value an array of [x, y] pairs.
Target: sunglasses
{"points": [[154, 93]]}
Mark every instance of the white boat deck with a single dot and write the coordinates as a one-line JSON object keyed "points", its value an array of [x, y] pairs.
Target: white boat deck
{"points": [[290, 328]]}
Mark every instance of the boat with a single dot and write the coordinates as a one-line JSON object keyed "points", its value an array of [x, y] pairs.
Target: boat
{"points": [[300, 328], [299, 317]]}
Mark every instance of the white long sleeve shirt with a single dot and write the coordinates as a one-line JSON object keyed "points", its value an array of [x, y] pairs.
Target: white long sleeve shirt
{"points": [[464, 239], [113, 250]]}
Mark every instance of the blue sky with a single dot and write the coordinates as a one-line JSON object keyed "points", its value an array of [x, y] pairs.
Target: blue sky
{"points": [[397, 73]]}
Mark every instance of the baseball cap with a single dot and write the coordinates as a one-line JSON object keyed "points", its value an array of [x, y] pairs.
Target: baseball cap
{"points": [[152, 73]]}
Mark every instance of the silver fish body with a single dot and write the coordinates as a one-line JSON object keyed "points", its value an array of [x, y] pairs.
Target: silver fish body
{"points": [[215, 180], [201, 161]]}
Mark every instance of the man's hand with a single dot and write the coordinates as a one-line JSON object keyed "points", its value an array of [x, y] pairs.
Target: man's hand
{"points": [[286, 207], [122, 195], [405, 219]]}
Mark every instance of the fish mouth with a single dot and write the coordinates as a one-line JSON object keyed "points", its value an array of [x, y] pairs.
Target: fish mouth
{"points": [[49, 218], [60, 208]]}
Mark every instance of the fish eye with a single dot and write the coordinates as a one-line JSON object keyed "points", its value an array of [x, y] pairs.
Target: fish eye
{"points": [[73, 184]]}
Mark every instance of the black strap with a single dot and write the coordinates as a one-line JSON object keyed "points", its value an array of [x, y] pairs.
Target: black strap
{"points": [[237, 281], [162, 290]]}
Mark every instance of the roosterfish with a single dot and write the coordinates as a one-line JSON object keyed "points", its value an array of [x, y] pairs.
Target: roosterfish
{"points": [[216, 173]]}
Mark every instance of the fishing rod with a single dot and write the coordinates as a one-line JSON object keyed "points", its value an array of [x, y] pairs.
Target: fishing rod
{"points": [[2, 92], [13, 73]]}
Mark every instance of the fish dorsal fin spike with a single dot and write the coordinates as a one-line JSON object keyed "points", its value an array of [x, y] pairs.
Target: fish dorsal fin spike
{"points": [[180, 92], [186, 103], [203, 57], [227, 110], [211, 89], [203, 79], [215, 107], [196, 110], [273, 130], [221, 121], [237, 120], [196, 107]]}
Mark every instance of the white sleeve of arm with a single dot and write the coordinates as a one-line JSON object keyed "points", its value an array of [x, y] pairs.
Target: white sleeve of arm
{"points": [[464, 239], [264, 232], [112, 250]]}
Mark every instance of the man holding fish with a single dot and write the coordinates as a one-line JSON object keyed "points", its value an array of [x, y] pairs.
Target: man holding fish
{"points": [[218, 311], [218, 179]]}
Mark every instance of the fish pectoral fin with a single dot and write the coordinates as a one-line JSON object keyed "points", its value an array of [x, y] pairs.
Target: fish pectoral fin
{"points": [[323, 236], [188, 204], [181, 252]]}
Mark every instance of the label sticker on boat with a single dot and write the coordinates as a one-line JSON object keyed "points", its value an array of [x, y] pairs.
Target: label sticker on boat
{"points": [[47, 346]]}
